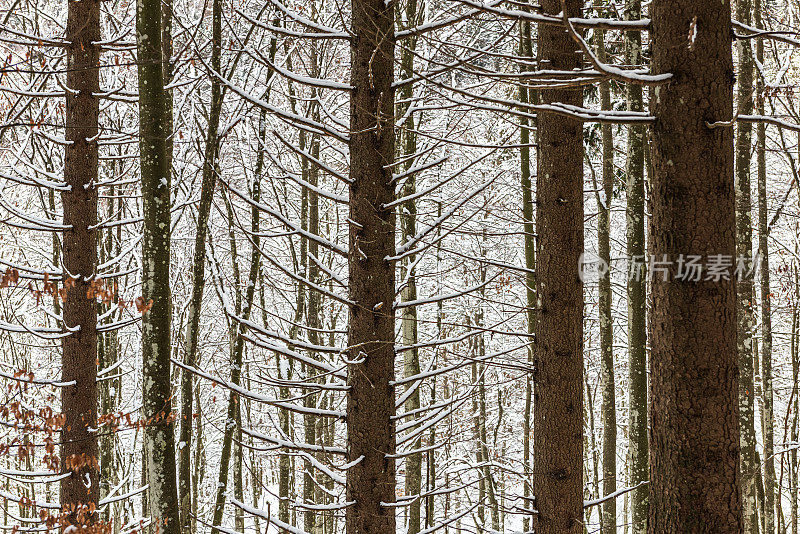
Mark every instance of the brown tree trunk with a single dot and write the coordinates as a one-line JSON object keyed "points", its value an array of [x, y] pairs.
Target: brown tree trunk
{"points": [[694, 475], [558, 360], [79, 402], [370, 400]]}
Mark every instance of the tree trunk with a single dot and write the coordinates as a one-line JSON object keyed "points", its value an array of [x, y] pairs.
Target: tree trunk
{"points": [[79, 452], [370, 399], [408, 228], [793, 471], [529, 242], [694, 484], [233, 417], [198, 277], [110, 387], [608, 404], [156, 325], [749, 469], [558, 366], [767, 415], [636, 288]]}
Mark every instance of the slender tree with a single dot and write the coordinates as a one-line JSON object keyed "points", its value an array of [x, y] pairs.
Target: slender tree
{"points": [[608, 404], [694, 484], [198, 274], [767, 404], [744, 289], [154, 136], [80, 491], [636, 286], [558, 365], [408, 228], [370, 399], [529, 243]]}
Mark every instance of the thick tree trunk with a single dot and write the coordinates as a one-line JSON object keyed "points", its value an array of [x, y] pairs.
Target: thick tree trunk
{"points": [[636, 288], [608, 403], [558, 374], [694, 484], [154, 130], [79, 453], [749, 469], [371, 399]]}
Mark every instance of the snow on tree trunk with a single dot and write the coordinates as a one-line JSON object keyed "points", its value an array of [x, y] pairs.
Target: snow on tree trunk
{"points": [[160, 464], [749, 469]]}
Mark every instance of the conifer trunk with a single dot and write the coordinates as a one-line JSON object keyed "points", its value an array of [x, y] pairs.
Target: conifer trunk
{"points": [[370, 399], [79, 402], [558, 365], [694, 484]]}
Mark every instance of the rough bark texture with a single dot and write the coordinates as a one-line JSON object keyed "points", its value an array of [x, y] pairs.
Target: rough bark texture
{"points": [[370, 400], [79, 402], [749, 469], [558, 374], [694, 484], [154, 130], [636, 288]]}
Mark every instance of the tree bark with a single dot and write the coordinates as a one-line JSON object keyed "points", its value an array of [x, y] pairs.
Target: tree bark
{"points": [[79, 452], [694, 484], [371, 399], [558, 374], [526, 96], [636, 287], [608, 403], [749, 469], [154, 130], [408, 228], [767, 405]]}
